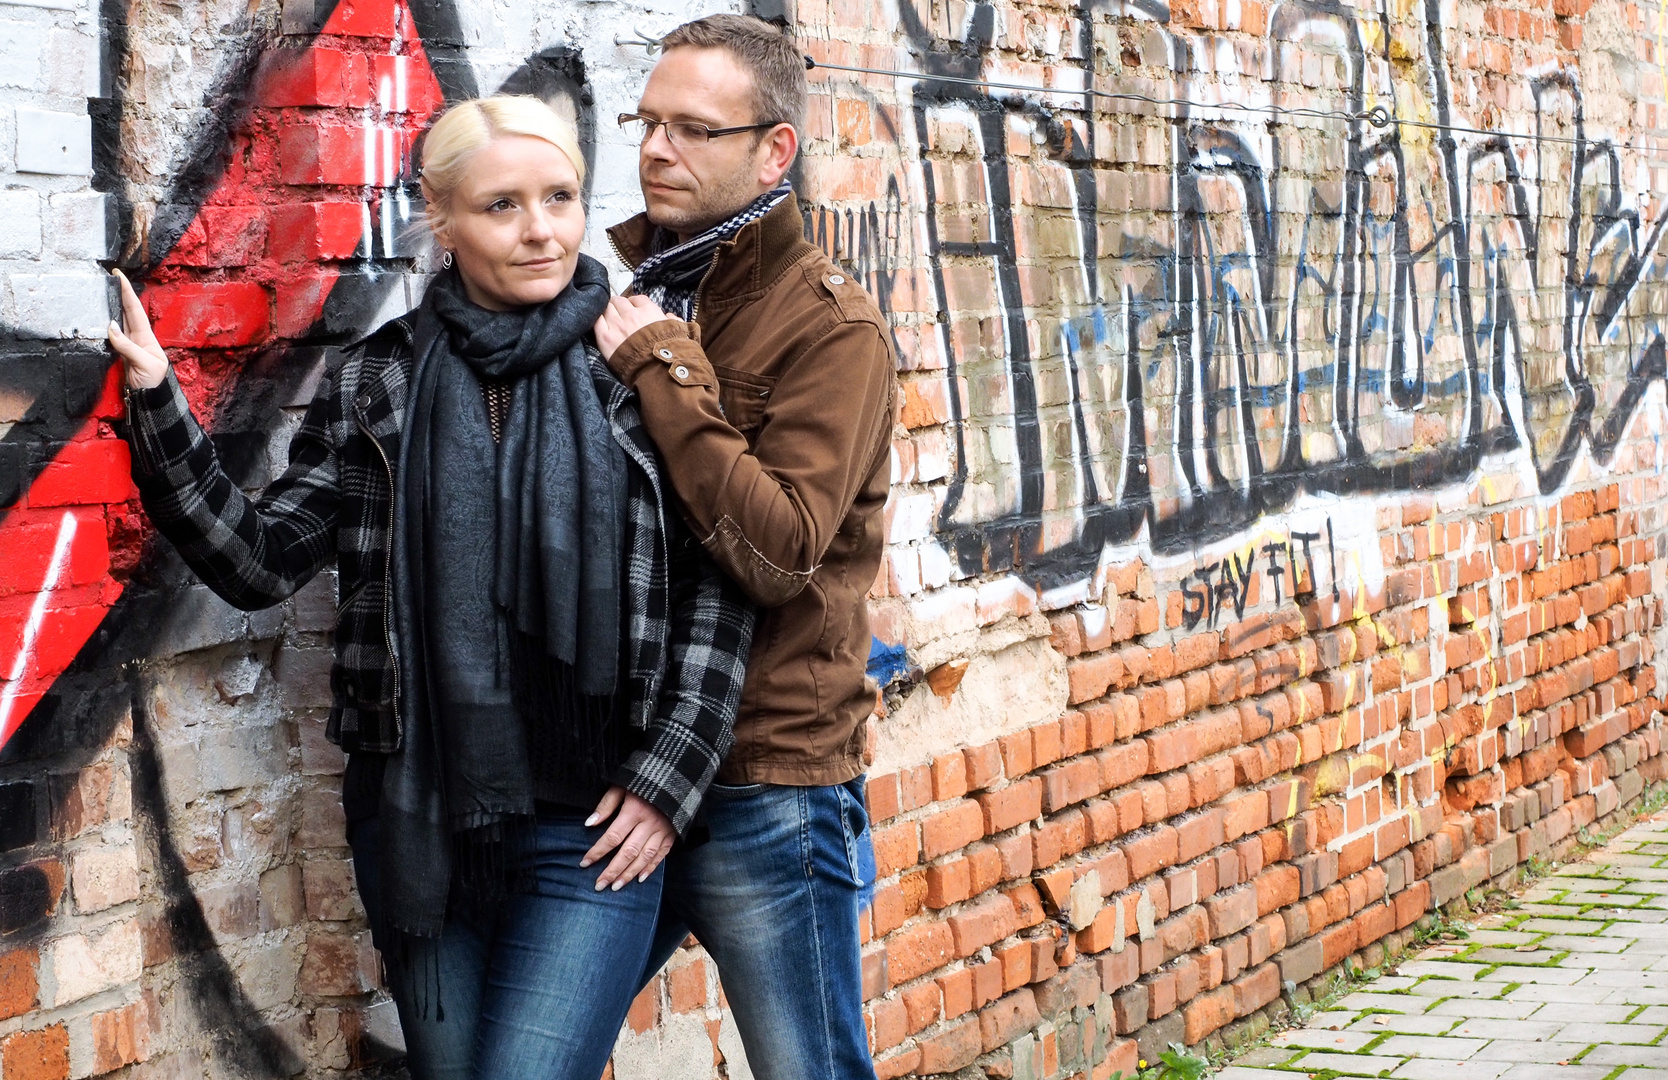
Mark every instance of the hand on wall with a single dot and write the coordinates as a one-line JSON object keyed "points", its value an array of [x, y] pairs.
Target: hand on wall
{"points": [[146, 363]]}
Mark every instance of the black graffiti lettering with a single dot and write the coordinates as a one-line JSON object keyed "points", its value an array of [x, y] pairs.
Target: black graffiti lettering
{"points": [[1276, 571], [1303, 585], [1195, 602]]}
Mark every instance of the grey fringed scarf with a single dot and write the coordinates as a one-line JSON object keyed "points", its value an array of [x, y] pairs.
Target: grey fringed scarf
{"points": [[506, 583]]}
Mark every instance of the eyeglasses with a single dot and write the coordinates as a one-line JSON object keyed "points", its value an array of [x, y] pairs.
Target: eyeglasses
{"points": [[682, 133]]}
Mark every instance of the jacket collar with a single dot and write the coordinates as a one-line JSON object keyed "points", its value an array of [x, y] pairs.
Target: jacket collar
{"points": [[746, 263]]}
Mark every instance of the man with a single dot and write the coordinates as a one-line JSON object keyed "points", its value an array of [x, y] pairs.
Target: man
{"points": [[765, 376]]}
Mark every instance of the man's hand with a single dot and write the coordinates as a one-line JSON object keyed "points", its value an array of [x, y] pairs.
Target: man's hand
{"points": [[142, 355], [624, 317], [642, 833]]}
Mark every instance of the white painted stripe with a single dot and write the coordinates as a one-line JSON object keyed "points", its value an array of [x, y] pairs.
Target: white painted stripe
{"points": [[32, 628]]}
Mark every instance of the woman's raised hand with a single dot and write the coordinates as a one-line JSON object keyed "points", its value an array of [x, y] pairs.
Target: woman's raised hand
{"points": [[643, 834], [146, 363]]}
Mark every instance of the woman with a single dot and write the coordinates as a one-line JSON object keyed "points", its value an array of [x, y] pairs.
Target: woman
{"points": [[529, 647]]}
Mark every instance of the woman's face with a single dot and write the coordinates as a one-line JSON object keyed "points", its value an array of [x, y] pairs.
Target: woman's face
{"points": [[516, 223]]}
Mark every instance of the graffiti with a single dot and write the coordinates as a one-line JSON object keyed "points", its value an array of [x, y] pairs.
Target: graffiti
{"points": [[1323, 307], [1219, 591]]}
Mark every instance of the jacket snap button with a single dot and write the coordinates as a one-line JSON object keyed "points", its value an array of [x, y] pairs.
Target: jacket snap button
{"points": [[363, 401], [836, 279], [681, 372], [666, 354]]}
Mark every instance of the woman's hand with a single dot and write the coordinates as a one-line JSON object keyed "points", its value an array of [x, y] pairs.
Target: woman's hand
{"points": [[643, 834], [146, 363], [624, 316]]}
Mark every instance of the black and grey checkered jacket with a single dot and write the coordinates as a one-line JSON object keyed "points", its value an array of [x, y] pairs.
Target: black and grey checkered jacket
{"points": [[689, 627]]}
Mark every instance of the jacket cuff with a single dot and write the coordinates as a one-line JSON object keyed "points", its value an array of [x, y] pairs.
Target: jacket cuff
{"points": [[637, 776], [151, 411], [668, 344]]}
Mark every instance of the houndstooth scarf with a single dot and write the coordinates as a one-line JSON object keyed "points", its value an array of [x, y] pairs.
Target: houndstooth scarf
{"points": [[671, 276]]}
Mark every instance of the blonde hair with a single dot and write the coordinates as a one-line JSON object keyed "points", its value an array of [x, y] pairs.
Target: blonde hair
{"points": [[469, 126]]}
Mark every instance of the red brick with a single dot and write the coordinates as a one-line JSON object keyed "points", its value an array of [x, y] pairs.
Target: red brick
{"points": [[1070, 782], [983, 923], [1010, 806], [1207, 1013], [19, 990], [897, 847], [645, 1008], [1016, 754], [953, 1048], [984, 765], [315, 232], [891, 1024], [949, 777], [219, 315], [956, 989], [898, 1065], [1008, 1018], [688, 987], [1147, 855], [36, 1055], [949, 884], [1257, 989], [917, 950], [952, 829], [921, 1003]]}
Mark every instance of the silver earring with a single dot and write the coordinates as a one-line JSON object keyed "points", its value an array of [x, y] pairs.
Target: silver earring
{"points": [[446, 260]]}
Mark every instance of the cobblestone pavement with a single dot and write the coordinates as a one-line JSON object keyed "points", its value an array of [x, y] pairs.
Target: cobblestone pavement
{"points": [[1572, 984]]}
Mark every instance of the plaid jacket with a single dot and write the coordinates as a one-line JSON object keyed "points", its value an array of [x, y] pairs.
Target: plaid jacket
{"points": [[690, 628]]}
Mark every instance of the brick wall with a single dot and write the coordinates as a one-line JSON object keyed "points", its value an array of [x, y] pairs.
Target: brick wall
{"points": [[1276, 538]]}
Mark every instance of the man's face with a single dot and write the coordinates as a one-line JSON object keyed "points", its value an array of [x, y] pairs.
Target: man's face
{"points": [[689, 189]]}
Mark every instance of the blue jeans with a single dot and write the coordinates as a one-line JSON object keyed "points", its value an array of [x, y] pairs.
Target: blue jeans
{"points": [[773, 892], [538, 992]]}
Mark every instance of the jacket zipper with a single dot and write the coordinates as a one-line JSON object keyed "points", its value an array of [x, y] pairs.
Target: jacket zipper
{"points": [[695, 311], [388, 561]]}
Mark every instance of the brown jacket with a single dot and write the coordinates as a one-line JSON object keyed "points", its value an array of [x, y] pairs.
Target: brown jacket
{"points": [[773, 415]]}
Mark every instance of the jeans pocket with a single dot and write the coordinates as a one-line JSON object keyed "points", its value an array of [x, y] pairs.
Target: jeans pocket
{"points": [[735, 791], [860, 849]]}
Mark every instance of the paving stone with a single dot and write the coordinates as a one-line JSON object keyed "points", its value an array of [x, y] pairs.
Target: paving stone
{"points": [[1613, 979], [1551, 910], [1555, 1072], [1501, 937], [1656, 1014], [1523, 974], [1596, 961], [1430, 1046], [1511, 956], [1608, 1033], [1237, 1072], [1351, 1064], [1565, 995], [1622, 1054], [1335, 1020], [1446, 969], [1593, 1014], [1588, 943], [1394, 982], [1516, 1030], [1400, 1003], [1265, 1055], [1447, 988], [1638, 995], [1502, 1010], [1537, 1053], [1637, 1073], [1431, 1069], [1405, 1025], [1347, 1042], [1561, 926]]}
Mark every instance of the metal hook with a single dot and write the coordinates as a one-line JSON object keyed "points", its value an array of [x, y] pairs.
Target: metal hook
{"points": [[641, 40]]}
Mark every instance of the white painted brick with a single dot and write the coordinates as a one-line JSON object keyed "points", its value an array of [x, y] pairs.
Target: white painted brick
{"points": [[81, 965], [61, 305], [104, 875], [54, 142], [72, 63], [21, 46], [79, 225], [20, 224]]}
